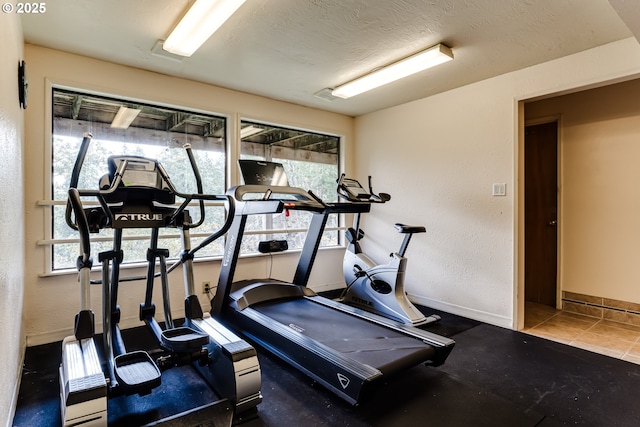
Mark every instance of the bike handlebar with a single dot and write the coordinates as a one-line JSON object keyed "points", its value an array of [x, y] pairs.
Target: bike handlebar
{"points": [[351, 190]]}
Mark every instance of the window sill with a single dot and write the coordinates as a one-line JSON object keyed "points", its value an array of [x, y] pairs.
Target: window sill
{"points": [[214, 259]]}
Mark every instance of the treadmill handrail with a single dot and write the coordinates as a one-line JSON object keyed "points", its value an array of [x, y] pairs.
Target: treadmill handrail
{"points": [[347, 207], [299, 200]]}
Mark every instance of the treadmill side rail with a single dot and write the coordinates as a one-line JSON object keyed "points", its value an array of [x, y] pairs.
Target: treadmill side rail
{"points": [[83, 388], [442, 345]]}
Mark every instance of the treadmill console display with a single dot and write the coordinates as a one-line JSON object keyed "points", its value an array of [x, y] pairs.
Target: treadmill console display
{"points": [[258, 172]]}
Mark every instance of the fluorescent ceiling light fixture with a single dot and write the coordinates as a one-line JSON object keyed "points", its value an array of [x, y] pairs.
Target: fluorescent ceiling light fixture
{"points": [[248, 131], [198, 24], [405, 67], [124, 117]]}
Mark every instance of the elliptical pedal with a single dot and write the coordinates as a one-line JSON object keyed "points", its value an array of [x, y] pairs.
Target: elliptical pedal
{"points": [[184, 340], [136, 372]]}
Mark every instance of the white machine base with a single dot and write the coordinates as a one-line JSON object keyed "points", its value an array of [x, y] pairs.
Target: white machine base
{"points": [[83, 388]]}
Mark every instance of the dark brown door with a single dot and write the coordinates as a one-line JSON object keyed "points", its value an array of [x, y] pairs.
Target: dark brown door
{"points": [[541, 212]]}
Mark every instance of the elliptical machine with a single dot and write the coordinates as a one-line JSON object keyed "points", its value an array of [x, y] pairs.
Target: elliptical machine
{"points": [[137, 193], [376, 287]]}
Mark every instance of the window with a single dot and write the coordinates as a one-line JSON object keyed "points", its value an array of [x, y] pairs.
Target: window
{"points": [[311, 161], [157, 132]]}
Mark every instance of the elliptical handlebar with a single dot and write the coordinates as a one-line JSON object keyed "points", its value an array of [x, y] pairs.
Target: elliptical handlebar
{"points": [[199, 187], [80, 223], [74, 203], [75, 175]]}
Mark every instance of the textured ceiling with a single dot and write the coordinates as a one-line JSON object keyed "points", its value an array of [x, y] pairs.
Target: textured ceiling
{"points": [[291, 49]]}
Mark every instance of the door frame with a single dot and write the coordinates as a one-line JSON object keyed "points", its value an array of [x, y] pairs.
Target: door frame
{"points": [[519, 300]]}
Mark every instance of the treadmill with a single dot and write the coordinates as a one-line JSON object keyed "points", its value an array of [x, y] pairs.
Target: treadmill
{"points": [[347, 350]]}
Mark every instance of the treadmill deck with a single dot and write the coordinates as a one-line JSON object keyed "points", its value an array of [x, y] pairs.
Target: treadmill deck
{"points": [[365, 342]]}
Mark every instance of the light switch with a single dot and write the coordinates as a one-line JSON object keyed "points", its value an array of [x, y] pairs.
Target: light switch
{"points": [[500, 189]]}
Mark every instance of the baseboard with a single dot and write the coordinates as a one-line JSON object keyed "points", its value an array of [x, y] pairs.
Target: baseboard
{"points": [[60, 334], [481, 316], [48, 337], [326, 287], [16, 390], [626, 312]]}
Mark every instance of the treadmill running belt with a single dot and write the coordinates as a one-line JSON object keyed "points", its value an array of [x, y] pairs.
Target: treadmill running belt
{"points": [[368, 343]]}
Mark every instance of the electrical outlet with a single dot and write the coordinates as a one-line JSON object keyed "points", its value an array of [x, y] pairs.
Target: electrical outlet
{"points": [[206, 287]]}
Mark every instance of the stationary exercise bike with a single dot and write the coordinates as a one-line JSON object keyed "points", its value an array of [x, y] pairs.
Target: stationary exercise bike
{"points": [[137, 193], [376, 287]]}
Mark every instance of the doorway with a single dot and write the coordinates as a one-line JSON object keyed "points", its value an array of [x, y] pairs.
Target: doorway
{"points": [[541, 213]]}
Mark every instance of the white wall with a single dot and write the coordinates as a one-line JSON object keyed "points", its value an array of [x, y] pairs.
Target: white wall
{"points": [[439, 157], [11, 218], [599, 189], [51, 302]]}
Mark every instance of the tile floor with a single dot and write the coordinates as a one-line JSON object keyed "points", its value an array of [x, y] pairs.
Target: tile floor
{"points": [[597, 335]]}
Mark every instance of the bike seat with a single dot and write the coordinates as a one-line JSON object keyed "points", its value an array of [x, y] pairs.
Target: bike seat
{"points": [[404, 229]]}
